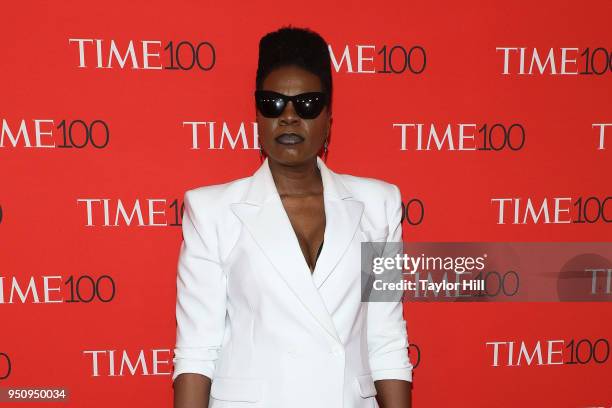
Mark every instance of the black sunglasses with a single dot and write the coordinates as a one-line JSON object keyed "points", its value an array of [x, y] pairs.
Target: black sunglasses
{"points": [[307, 105]]}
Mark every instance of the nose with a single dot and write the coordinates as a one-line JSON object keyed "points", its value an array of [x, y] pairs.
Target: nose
{"points": [[289, 115]]}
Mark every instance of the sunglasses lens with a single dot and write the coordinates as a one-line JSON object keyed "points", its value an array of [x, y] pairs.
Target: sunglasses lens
{"points": [[310, 105], [307, 105], [269, 105]]}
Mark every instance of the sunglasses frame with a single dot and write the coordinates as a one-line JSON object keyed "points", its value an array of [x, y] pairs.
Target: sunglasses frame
{"points": [[287, 98]]}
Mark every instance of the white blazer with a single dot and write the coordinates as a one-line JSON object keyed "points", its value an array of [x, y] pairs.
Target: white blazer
{"points": [[252, 317]]}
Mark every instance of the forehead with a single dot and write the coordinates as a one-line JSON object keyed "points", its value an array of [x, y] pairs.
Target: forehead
{"points": [[291, 80]]}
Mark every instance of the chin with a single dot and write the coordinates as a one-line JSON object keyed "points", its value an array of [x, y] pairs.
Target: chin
{"points": [[290, 156]]}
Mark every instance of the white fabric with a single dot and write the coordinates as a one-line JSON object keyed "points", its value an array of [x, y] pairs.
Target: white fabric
{"points": [[252, 317]]}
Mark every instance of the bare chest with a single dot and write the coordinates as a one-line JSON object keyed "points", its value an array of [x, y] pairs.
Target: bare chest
{"points": [[307, 216]]}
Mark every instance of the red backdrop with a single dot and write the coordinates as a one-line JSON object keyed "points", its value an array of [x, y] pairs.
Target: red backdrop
{"points": [[85, 136]]}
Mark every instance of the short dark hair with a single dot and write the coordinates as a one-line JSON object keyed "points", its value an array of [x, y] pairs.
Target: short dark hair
{"points": [[300, 47]]}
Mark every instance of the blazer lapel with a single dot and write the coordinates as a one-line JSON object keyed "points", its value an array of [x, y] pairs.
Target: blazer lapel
{"points": [[342, 217], [263, 214]]}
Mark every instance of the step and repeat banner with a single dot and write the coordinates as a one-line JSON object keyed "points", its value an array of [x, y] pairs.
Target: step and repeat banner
{"points": [[493, 118]]}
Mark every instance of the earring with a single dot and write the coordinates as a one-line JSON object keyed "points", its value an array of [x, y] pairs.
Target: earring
{"points": [[325, 150]]}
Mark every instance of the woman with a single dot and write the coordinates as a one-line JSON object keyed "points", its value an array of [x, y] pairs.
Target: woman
{"points": [[269, 310]]}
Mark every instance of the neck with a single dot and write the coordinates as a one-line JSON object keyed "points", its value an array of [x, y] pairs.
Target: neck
{"points": [[295, 179]]}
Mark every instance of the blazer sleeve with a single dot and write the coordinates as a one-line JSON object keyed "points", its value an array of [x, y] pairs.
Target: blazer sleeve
{"points": [[201, 296], [386, 327]]}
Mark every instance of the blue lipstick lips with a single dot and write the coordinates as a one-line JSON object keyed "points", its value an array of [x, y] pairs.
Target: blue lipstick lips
{"points": [[289, 139]]}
